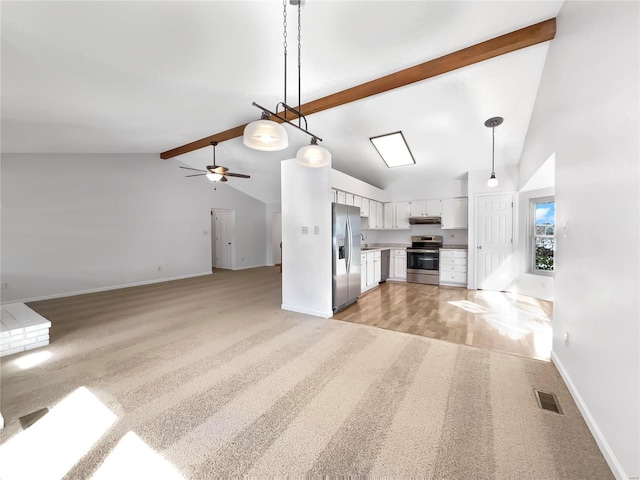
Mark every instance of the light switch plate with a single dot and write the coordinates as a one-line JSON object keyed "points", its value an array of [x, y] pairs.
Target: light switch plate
{"points": [[316, 229]]}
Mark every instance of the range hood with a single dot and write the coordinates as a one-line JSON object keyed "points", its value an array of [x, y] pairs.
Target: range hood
{"points": [[424, 220]]}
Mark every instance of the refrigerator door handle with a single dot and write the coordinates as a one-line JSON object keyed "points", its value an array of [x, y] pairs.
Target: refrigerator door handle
{"points": [[347, 235], [349, 244]]}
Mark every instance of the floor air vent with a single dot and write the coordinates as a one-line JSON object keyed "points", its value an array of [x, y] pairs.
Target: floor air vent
{"points": [[548, 401], [32, 418]]}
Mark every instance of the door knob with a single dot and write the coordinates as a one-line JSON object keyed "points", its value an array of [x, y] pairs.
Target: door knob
{"points": [[479, 247]]}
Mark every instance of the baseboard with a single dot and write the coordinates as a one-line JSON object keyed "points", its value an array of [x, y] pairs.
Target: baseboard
{"points": [[252, 266], [608, 454], [105, 289], [307, 311]]}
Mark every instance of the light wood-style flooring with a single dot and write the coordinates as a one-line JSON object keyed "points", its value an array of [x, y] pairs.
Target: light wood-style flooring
{"points": [[502, 321]]}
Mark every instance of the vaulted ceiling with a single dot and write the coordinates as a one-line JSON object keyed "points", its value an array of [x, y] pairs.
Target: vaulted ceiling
{"points": [[146, 77]]}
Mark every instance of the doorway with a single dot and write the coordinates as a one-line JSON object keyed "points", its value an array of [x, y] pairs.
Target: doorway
{"points": [[494, 241], [222, 238], [276, 237]]}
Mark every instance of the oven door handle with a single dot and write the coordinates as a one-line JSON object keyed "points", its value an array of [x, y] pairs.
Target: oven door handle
{"points": [[413, 250]]}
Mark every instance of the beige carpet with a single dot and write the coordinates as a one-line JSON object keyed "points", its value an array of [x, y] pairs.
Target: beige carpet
{"points": [[212, 376]]}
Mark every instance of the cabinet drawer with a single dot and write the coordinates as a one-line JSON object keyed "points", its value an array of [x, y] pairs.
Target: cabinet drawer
{"points": [[453, 268], [396, 252], [453, 254], [453, 277], [453, 261]]}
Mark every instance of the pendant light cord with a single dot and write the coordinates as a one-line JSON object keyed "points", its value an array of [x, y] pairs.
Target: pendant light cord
{"points": [[284, 35], [493, 150], [299, 49]]}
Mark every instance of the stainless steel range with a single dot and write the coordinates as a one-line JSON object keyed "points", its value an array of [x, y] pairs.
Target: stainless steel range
{"points": [[423, 259]]}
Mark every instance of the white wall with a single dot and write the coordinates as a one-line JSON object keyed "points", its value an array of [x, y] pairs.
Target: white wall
{"points": [[587, 112], [342, 181], [82, 222], [423, 188], [306, 259]]}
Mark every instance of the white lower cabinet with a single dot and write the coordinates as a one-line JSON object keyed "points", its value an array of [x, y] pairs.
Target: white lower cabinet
{"points": [[453, 267], [398, 264], [370, 269]]}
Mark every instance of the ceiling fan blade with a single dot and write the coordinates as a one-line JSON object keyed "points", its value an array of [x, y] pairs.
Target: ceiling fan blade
{"points": [[194, 169], [195, 175], [224, 179], [217, 169], [239, 175]]}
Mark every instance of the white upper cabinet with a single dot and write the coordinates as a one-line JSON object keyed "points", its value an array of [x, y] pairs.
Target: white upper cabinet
{"points": [[341, 198], [396, 215], [454, 213], [348, 199], [402, 214], [364, 207], [426, 208], [376, 214]]}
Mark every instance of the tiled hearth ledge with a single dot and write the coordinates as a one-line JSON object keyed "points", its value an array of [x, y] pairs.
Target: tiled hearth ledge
{"points": [[22, 329]]}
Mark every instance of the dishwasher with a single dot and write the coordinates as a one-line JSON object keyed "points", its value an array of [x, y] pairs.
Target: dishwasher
{"points": [[384, 267]]}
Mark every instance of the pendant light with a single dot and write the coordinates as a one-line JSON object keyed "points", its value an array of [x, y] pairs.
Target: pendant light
{"points": [[265, 135], [268, 135], [313, 155], [492, 123]]}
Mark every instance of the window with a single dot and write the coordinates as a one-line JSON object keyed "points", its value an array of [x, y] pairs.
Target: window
{"points": [[543, 242]]}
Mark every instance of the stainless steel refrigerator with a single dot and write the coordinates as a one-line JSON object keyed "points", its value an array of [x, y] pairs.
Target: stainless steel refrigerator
{"points": [[346, 255]]}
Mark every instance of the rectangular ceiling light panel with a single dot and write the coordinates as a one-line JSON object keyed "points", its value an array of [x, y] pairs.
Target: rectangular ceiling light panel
{"points": [[393, 149]]}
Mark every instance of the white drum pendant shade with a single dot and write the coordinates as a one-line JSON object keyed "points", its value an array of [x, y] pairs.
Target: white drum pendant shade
{"points": [[265, 135], [313, 156]]}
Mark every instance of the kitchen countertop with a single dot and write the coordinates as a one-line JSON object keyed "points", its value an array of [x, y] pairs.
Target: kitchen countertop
{"points": [[383, 246]]}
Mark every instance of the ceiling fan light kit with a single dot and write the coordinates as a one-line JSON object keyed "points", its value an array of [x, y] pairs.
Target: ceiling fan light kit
{"points": [[215, 173], [492, 123], [268, 135]]}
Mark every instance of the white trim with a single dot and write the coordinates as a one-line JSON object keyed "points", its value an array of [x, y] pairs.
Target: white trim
{"points": [[307, 311], [253, 266], [606, 450], [105, 289]]}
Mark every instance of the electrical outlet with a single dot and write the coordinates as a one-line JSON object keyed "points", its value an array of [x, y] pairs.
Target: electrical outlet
{"points": [[159, 268], [305, 230], [5, 286], [566, 339]]}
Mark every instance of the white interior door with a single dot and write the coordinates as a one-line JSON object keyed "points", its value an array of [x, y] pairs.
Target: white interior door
{"points": [[225, 233], [276, 237], [494, 241]]}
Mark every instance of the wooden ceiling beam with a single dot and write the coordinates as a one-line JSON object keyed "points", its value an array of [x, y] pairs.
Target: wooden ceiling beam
{"points": [[510, 42]]}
